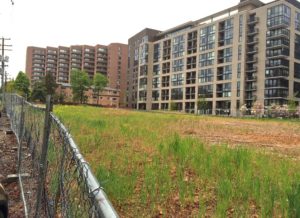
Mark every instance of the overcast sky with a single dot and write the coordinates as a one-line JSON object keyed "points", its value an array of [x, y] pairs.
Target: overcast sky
{"points": [[67, 22]]}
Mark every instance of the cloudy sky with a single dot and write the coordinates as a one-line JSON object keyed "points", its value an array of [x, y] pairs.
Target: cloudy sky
{"points": [[91, 22]]}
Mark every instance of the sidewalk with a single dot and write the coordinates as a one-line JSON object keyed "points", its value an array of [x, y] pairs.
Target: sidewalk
{"points": [[8, 165]]}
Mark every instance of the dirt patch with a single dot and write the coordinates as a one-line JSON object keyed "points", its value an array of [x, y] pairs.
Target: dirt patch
{"points": [[277, 135], [8, 165]]}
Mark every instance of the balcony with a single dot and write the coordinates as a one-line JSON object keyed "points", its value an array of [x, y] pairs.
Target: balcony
{"points": [[252, 32], [252, 50], [252, 60], [251, 98], [253, 20], [251, 78], [251, 69], [251, 88], [252, 41]]}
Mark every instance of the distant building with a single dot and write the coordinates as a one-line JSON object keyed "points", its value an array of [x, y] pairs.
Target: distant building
{"points": [[108, 97], [243, 54], [109, 60]]}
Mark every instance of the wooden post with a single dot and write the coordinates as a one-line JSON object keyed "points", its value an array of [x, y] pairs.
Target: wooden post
{"points": [[43, 160]]}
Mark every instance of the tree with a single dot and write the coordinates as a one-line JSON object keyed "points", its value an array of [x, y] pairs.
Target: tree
{"points": [[257, 109], [22, 84], [41, 89], [244, 109], [38, 92], [10, 86], [202, 104], [50, 84], [79, 83], [100, 82]]}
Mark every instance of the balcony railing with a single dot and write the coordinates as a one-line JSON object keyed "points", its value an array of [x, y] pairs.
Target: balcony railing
{"points": [[252, 31], [252, 50], [251, 69], [253, 20]]}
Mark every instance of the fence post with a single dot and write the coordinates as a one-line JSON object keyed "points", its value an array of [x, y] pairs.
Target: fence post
{"points": [[43, 160]]}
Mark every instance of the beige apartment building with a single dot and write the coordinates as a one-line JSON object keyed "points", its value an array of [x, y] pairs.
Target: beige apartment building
{"points": [[109, 60], [244, 54]]}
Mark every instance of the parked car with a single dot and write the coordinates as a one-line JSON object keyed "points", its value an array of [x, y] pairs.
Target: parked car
{"points": [[3, 203]]}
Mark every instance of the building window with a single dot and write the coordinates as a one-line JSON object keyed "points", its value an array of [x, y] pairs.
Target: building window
{"points": [[226, 32], [205, 91], [177, 94], [167, 49], [241, 20], [166, 67], [156, 53], [224, 73], [155, 95], [207, 38], [143, 70], [177, 79], [144, 54], [297, 71], [165, 95], [240, 52], [279, 15], [178, 46], [178, 65], [191, 62], [206, 75], [239, 68], [156, 70], [297, 21], [156, 83], [192, 42], [224, 90], [207, 59], [165, 81], [143, 83], [190, 93], [297, 47], [142, 95], [191, 77]]}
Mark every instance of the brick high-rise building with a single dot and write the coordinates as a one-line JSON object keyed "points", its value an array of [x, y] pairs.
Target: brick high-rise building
{"points": [[109, 60], [243, 54]]}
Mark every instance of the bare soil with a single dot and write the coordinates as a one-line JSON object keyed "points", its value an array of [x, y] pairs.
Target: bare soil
{"points": [[8, 165], [279, 136]]}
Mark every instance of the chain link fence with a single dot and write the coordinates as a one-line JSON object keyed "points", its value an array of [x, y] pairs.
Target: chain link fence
{"points": [[55, 179]]}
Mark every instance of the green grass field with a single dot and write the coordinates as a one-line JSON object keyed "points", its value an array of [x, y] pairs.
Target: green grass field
{"points": [[154, 164]]}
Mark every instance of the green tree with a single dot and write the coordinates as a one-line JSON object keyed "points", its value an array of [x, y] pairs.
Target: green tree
{"points": [[50, 84], [79, 83], [10, 86], [38, 92], [202, 104], [22, 84], [100, 82]]}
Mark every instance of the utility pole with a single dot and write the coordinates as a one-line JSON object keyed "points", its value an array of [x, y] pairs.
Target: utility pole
{"points": [[3, 60]]}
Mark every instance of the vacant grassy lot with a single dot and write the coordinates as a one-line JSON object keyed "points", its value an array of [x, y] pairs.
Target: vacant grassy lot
{"points": [[168, 165]]}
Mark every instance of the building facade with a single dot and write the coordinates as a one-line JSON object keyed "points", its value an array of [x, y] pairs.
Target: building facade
{"points": [[245, 54], [108, 97], [109, 60]]}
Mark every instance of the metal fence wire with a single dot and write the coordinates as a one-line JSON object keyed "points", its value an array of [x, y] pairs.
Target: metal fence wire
{"points": [[60, 183]]}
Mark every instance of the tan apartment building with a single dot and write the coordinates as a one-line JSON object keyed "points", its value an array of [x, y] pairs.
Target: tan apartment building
{"points": [[108, 97], [109, 60], [243, 54]]}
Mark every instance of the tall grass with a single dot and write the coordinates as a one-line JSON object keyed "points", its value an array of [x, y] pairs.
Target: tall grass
{"points": [[147, 168]]}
